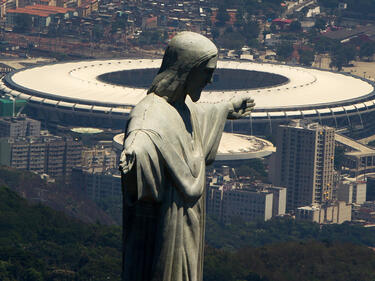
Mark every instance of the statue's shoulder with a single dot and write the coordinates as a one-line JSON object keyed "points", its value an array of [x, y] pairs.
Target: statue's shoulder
{"points": [[151, 108], [151, 113], [149, 102]]}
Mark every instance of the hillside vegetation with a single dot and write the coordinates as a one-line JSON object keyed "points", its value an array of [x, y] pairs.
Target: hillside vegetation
{"points": [[58, 196], [37, 243], [40, 244]]}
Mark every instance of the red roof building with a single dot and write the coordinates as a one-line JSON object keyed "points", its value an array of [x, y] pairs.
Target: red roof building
{"points": [[41, 14], [282, 21], [30, 12], [53, 9]]}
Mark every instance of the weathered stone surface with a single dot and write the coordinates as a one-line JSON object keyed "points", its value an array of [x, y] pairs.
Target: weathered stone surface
{"points": [[169, 141]]}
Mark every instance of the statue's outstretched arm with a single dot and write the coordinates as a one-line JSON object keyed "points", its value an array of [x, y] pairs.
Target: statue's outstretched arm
{"points": [[240, 107]]}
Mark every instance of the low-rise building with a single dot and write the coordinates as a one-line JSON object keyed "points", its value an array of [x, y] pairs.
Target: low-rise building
{"points": [[251, 202], [19, 127], [52, 155], [98, 177], [365, 213], [335, 212], [97, 183], [351, 190], [99, 157], [41, 15], [370, 188]]}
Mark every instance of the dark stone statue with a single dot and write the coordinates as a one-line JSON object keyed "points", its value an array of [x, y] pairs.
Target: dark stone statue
{"points": [[169, 140]]}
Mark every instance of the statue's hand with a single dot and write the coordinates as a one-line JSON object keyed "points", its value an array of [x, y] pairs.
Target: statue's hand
{"points": [[126, 161], [240, 107]]}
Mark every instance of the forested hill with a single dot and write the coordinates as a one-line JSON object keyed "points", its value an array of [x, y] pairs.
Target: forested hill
{"points": [[58, 196], [257, 234], [292, 261], [38, 243]]}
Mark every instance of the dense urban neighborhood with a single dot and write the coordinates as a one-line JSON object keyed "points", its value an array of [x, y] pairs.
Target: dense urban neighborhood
{"points": [[291, 194]]}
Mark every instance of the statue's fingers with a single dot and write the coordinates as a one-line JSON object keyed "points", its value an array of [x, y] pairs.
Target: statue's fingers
{"points": [[249, 108], [235, 115], [126, 169], [126, 161], [250, 99], [250, 102]]}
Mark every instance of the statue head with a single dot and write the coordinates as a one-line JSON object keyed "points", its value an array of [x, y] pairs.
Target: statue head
{"points": [[188, 65]]}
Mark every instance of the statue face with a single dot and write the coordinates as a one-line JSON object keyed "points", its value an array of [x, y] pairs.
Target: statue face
{"points": [[199, 77]]}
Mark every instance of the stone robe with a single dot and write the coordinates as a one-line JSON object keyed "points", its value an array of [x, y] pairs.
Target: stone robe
{"points": [[164, 192]]}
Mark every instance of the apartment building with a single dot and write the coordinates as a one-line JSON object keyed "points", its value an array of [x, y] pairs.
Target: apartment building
{"points": [[19, 127], [52, 155], [97, 182], [351, 190], [252, 202], [328, 213], [304, 163]]}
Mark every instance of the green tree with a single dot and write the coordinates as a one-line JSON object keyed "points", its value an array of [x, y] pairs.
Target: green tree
{"points": [[254, 168], [324, 45], [284, 50], [151, 37], [97, 32], [320, 24], [33, 275], [119, 22], [240, 19], [367, 50], [349, 52], [273, 28], [295, 26], [215, 33], [222, 16], [342, 56], [306, 57], [113, 207], [251, 30], [337, 61], [231, 40], [329, 3]]}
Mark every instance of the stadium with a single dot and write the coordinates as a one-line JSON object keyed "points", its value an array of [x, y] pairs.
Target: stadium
{"points": [[101, 93]]}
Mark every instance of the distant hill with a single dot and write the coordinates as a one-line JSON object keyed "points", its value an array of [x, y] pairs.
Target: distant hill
{"points": [[58, 196], [38, 243], [242, 234], [292, 261]]}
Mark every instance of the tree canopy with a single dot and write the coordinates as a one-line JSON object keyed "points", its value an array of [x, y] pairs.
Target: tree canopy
{"points": [[37, 243], [291, 261], [284, 50]]}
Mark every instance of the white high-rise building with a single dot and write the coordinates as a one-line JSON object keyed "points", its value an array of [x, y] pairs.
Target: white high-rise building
{"points": [[304, 163]]}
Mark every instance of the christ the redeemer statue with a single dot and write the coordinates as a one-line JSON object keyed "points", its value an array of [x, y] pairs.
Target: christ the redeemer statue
{"points": [[169, 140]]}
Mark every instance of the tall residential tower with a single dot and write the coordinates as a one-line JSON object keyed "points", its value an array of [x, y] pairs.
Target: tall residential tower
{"points": [[304, 162]]}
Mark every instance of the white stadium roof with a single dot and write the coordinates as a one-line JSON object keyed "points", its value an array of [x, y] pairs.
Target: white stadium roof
{"points": [[75, 86]]}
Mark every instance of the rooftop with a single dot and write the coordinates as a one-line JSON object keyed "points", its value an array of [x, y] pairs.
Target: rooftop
{"points": [[308, 91], [358, 147]]}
